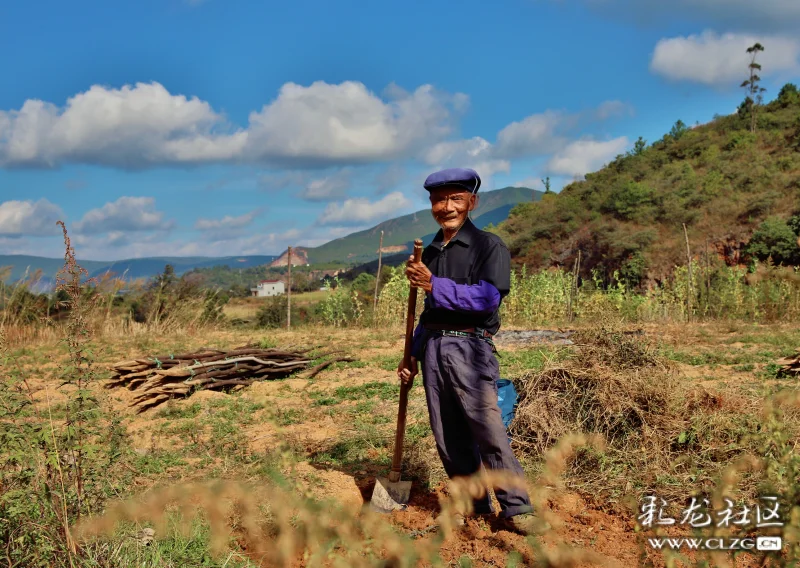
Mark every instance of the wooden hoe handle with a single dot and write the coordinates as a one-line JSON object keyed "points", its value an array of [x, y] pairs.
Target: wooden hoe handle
{"points": [[397, 459]]}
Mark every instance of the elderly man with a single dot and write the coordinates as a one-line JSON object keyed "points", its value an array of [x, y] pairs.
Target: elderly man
{"points": [[465, 273]]}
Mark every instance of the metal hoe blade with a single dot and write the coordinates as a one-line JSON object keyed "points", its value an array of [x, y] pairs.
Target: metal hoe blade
{"points": [[390, 496]]}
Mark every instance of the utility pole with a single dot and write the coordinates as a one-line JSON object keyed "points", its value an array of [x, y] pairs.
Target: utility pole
{"points": [[289, 292], [377, 278]]}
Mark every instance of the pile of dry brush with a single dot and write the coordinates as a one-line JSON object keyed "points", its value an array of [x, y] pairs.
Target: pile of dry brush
{"points": [[660, 432], [169, 376], [790, 365]]}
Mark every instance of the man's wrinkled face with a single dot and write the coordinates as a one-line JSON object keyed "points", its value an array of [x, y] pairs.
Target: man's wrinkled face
{"points": [[451, 205]]}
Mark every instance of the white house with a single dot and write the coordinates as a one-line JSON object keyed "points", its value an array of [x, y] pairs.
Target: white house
{"points": [[268, 288]]}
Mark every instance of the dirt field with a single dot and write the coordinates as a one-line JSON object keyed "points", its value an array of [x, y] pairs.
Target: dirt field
{"points": [[335, 432]]}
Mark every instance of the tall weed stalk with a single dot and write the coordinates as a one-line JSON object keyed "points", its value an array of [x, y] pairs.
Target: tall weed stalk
{"points": [[79, 374], [55, 462]]}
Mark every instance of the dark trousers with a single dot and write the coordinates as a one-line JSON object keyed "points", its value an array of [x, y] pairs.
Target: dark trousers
{"points": [[459, 375]]}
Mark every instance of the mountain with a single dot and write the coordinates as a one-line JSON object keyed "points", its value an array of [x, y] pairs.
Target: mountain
{"points": [[130, 268], [299, 258], [399, 234], [736, 191], [25, 266], [493, 206]]}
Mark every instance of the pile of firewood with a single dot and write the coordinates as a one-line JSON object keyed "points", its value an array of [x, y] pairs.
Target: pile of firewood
{"points": [[790, 365], [178, 376]]}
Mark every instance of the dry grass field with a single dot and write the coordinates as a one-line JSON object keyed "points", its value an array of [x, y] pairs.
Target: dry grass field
{"points": [[302, 455]]}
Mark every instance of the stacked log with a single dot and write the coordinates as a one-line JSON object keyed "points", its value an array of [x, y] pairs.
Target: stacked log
{"points": [[177, 376], [790, 365]]}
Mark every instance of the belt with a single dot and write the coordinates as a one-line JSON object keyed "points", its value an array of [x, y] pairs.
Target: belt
{"points": [[458, 330], [447, 330]]}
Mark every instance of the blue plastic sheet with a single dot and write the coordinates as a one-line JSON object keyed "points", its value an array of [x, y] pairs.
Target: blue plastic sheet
{"points": [[506, 400]]}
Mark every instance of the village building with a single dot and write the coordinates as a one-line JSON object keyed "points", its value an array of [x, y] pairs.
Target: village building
{"points": [[268, 288]]}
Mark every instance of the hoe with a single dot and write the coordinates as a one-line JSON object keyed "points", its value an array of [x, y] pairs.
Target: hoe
{"points": [[390, 493]]}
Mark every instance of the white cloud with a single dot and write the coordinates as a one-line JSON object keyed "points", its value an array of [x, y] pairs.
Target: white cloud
{"points": [[124, 214], [362, 211], [475, 153], [535, 135], [145, 126], [130, 127], [226, 228], [584, 156], [227, 222], [261, 243], [328, 188], [276, 181], [118, 238], [714, 59], [458, 150], [610, 109], [325, 123], [31, 218], [112, 239], [488, 168]]}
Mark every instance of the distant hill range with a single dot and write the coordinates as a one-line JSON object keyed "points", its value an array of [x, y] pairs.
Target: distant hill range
{"points": [[27, 266], [399, 234]]}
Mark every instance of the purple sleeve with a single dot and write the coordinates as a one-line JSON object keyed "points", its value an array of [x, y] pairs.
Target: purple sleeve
{"points": [[476, 298]]}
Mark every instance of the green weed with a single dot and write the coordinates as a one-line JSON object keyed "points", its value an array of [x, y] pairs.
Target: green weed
{"points": [[287, 416], [156, 462], [173, 411], [383, 391], [386, 362]]}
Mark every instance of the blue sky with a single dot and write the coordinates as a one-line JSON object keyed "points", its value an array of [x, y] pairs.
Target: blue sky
{"points": [[228, 127]]}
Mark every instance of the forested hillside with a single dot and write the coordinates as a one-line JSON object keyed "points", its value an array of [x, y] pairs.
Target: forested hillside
{"points": [[737, 191]]}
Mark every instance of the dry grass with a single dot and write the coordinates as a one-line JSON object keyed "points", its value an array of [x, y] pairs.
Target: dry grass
{"points": [[663, 433], [278, 527], [614, 385]]}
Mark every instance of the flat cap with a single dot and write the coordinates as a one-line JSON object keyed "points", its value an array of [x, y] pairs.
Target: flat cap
{"points": [[462, 177]]}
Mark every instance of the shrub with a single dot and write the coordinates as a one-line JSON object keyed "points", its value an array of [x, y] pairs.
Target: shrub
{"points": [[273, 313], [774, 239], [364, 286], [678, 130], [741, 139], [789, 95], [213, 307], [630, 200], [167, 302], [342, 306]]}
